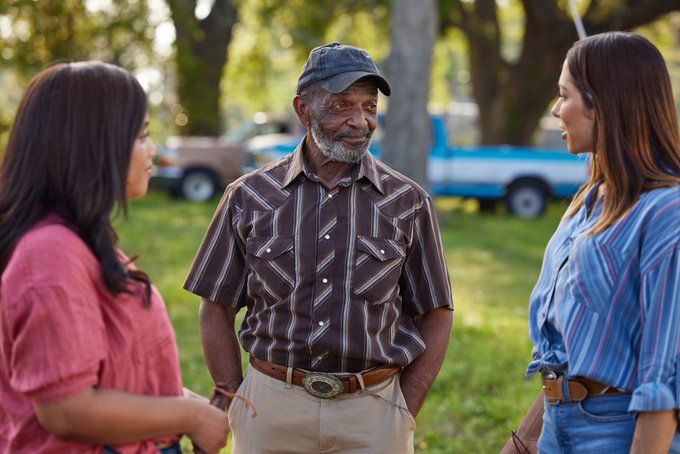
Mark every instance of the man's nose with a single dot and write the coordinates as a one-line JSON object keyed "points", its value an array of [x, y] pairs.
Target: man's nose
{"points": [[358, 119]]}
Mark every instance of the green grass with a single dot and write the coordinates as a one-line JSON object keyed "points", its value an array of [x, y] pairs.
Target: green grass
{"points": [[494, 260]]}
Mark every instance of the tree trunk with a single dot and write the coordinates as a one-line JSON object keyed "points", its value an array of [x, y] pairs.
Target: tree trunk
{"points": [[512, 96], [408, 134], [201, 54], [529, 85]]}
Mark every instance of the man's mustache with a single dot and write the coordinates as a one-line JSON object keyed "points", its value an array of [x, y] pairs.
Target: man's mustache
{"points": [[355, 135]]}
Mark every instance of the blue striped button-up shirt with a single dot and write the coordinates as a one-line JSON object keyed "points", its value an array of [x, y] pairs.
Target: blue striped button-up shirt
{"points": [[607, 306]]}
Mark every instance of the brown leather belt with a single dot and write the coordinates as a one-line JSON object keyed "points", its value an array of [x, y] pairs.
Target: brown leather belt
{"points": [[325, 385], [579, 389]]}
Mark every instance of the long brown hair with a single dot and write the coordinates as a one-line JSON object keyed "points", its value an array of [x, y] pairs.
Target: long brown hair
{"points": [[624, 79], [68, 153]]}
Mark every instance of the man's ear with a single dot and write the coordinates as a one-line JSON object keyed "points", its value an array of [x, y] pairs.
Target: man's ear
{"points": [[301, 107]]}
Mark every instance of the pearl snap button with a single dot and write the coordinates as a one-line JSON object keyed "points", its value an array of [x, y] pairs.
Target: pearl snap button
{"points": [[268, 250], [324, 280], [382, 251]]}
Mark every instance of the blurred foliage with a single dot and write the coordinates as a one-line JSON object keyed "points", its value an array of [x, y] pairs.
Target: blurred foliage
{"points": [[515, 50], [274, 37], [35, 34], [269, 45], [665, 34]]}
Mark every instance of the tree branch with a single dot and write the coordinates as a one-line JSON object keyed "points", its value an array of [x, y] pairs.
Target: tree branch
{"points": [[594, 6], [452, 14], [221, 10], [630, 14], [183, 16], [542, 13]]}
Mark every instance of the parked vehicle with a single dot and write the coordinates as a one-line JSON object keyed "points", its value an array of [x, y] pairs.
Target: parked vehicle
{"points": [[197, 167], [524, 178]]}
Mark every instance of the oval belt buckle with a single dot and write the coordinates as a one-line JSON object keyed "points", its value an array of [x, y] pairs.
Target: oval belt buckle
{"points": [[322, 385]]}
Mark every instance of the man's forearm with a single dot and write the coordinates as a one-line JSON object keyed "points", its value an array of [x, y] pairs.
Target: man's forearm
{"points": [[654, 431], [220, 346], [418, 376]]}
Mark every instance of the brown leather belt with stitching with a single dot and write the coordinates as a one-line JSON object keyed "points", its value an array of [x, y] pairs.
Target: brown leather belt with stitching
{"points": [[350, 382], [579, 389]]}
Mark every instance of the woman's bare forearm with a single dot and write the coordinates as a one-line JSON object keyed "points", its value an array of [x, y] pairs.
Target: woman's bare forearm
{"points": [[110, 416], [654, 431]]}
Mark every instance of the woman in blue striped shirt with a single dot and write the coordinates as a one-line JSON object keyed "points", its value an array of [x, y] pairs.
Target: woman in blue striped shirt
{"points": [[605, 313]]}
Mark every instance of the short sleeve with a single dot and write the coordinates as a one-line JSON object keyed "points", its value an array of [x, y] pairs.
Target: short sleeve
{"points": [[425, 282], [218, 272], [658, 388], [58, 341]]}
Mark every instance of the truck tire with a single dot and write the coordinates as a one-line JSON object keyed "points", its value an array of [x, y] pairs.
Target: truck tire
{"points": [[526, 199], [198, 185]]}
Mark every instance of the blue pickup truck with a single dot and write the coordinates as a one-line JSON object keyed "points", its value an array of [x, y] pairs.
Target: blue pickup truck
{"points": [[524, 178]]}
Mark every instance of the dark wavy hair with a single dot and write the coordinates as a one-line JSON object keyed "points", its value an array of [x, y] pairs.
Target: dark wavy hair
{"points": [[623, 78], [68, 153]]}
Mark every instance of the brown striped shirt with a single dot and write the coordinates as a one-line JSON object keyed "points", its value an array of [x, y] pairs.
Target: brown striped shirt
{"points": [[331, 279]]}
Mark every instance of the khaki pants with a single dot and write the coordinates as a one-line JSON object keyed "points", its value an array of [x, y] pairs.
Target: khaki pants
{"points": [[291, 421]]}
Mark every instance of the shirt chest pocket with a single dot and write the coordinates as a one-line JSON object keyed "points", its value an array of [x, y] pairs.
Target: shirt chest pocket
{"points": [[377, 268], [272, 263]]}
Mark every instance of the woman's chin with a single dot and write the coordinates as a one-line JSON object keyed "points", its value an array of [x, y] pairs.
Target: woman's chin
{"points": [[577, 149], [136, 193]]}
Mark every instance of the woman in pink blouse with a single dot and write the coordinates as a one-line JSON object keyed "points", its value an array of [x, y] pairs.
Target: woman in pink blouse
{"points": [[88, 358]]}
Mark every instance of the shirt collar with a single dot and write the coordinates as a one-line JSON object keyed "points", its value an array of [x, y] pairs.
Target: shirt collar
{"points": [[298, 164], [369, 170]]}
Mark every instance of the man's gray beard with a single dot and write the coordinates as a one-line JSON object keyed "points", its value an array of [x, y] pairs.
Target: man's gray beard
{"points": [[335, 150]]}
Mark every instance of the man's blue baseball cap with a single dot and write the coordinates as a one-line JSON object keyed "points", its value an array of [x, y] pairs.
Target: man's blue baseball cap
{"points": [[336, 66]]}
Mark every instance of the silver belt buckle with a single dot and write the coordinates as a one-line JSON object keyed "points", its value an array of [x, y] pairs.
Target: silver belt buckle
{"points": [[322, 385]]}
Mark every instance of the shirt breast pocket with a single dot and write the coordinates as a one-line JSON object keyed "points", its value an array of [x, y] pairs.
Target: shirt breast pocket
{"points": [[377, 268], [272, 263]]}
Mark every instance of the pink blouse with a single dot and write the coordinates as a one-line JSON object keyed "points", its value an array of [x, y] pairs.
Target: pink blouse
{"points": [[61, 332]]}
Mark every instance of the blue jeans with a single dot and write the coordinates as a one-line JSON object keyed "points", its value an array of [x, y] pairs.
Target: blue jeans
{"points": [[596, 424]]}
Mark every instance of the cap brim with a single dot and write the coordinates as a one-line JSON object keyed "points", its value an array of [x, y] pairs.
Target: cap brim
{"points": [[340, 82]]}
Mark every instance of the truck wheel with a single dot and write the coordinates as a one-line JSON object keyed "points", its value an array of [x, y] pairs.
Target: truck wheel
{"points": [[198, 185], [526, 199]]}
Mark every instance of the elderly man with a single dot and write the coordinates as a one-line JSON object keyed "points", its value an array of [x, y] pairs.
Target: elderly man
{"points": [[338, 261]]}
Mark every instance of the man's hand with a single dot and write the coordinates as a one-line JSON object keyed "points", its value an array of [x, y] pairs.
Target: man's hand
{"points": [[417, 377]]}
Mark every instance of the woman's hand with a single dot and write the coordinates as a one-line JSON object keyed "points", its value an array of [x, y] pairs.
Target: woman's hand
{"points": [[211, 426]]}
